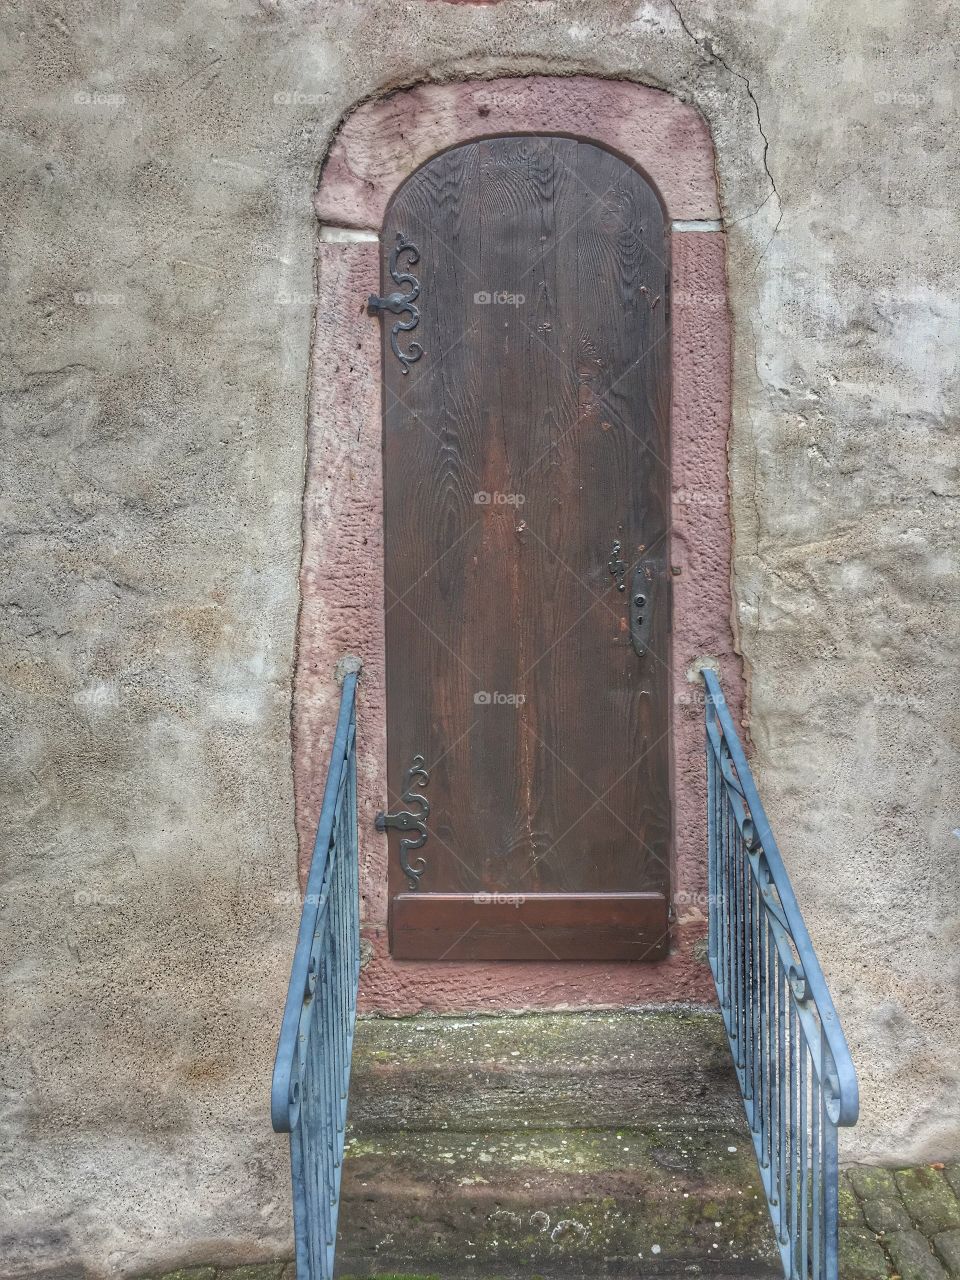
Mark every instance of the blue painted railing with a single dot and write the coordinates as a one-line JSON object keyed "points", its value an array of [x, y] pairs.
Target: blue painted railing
{"points": [[311, 1076], [795, 1072]]}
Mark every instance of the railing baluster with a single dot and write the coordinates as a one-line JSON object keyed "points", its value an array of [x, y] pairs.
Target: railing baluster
{"points": [[325, 1092], [741, 956], [733, 1005], [792, 1062], [772, 1119], [816, 1187], [804, 1171], [713, 892], [762, 1035], [831, 1191], [722, 822], [750, 983], [781, 1102], [794, 1136]]}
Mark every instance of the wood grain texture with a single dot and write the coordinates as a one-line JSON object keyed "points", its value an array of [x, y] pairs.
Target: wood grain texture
{"points": [[543, 926], [544, 385]]}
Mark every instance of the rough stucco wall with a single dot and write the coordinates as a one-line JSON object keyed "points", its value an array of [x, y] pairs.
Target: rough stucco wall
{"points": [[156, 332]]}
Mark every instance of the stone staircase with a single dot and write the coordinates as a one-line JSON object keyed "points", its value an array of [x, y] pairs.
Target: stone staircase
{"points": [[593, 1144], [588, 1145]]}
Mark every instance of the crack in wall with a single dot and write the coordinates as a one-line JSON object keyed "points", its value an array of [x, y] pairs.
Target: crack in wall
{"points": [[706, 48]]}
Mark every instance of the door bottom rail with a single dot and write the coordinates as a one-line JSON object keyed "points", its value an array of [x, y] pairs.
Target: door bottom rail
{"points": [[529, 926]]}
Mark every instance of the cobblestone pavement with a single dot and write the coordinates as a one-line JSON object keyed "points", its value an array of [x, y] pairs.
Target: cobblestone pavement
{"points": [[895, 1223], [900, 1222]]}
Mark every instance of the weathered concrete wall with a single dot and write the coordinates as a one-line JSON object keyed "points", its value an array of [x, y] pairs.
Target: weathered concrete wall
{"points": [[158, 169]]}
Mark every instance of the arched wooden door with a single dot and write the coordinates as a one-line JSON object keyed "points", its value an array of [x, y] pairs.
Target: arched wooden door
{"points": [[526, 513]]}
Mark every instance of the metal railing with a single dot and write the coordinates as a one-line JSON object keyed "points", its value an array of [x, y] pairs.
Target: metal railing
{"points": [[795, 1072], [312, 1072]]}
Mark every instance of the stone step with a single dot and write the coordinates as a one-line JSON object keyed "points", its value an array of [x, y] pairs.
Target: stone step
{"points": [[590, 1070], [567, 1202], [550, 1146]]}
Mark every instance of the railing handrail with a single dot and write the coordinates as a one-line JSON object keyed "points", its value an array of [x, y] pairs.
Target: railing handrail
{"points": [[285, 1089], [847, 1091]]}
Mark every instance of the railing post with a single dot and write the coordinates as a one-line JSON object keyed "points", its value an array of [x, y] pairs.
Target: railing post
{"points": [[793, 1065], [713, 875], [312, 1069]]}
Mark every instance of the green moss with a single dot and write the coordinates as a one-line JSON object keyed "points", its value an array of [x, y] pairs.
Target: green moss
{"points": [[928, 1199], [662, 1155], [257, 1271], [871, 1182], [432, 1039], [609, 1227], [849, 1205], [861, 1256], [190, 1273]]}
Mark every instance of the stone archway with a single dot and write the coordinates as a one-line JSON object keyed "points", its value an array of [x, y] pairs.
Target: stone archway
{"points": [[342, 611]]}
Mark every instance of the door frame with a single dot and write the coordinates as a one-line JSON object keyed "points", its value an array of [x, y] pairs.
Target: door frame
{"points": [[378, 146]]}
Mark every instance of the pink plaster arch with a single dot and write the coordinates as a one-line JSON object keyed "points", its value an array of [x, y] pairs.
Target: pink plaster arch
{"points": [[383, 142], [342, 607]]}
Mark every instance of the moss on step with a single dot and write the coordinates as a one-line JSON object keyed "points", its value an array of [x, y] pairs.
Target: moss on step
{"points": [[584, 1226], [660, 1155], [494, 1073], [190, 1273], [470, 1203]]}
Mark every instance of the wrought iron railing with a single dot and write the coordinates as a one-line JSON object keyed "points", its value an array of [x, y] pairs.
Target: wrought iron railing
{"points": [[312, 1071], [795, 1072]]}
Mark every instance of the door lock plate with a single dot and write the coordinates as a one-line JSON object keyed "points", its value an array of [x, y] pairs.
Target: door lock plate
{"points": [[643, 601]]}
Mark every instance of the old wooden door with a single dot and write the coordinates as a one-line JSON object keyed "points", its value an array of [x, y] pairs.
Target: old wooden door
{"points": [[526, 501]]}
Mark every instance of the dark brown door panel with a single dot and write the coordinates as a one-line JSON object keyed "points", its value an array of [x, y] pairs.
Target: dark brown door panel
{"points": [[526, 455]]}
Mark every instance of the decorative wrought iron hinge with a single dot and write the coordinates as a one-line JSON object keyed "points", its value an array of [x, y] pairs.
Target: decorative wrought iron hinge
{"points": [[401, 303], [405, 820]]}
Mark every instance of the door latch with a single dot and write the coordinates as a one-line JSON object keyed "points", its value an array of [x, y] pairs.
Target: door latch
{"points": [[618, 566], [643, 599], [407, 820]]}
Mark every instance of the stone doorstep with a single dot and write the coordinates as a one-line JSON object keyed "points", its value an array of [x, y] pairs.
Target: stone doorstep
{"points": [[472, 1130]]}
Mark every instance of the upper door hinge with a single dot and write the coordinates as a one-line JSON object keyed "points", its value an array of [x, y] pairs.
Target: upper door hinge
{"points": [[400, 303]]}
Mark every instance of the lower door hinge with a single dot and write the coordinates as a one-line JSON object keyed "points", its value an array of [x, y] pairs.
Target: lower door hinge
{"points": [[414, 819]]}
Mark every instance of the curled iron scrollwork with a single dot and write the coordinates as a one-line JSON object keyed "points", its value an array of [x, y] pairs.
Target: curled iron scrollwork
{"points": [[401, 303], [411, 819]]}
